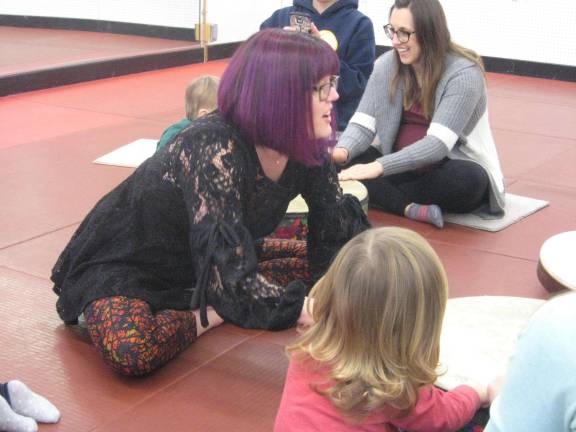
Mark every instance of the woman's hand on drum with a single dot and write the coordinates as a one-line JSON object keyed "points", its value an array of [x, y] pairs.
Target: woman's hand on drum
{"points": [[362, 171], [340, 155]]}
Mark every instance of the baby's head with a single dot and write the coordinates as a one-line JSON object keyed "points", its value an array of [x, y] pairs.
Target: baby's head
{"points": [[201, 96]]}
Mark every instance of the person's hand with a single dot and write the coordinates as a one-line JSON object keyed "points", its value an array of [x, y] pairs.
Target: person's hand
{"points": [[362, 171], [482, 391], [494, 387], [314, 30], [339, 155], [306, 319]]}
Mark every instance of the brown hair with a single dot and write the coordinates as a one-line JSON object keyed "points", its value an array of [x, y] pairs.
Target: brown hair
{"points": [[201, 93], [431, 29], [377, 320]]}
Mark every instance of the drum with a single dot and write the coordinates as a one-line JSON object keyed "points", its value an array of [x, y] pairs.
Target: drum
{"points": [[479, 336], [294, 225], [557, 262]]}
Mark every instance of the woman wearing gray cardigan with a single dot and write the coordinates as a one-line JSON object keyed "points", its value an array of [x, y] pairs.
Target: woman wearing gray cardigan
{"points": [[426, 104]]}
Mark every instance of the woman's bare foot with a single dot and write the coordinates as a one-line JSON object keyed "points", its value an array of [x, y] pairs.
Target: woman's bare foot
{"points": [[213, 320]]}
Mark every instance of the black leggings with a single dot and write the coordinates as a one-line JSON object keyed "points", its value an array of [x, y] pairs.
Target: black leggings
{"points": [[456, 186]]}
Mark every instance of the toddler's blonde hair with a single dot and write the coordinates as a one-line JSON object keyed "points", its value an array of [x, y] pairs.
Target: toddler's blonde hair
{"points": [[378, 316]]}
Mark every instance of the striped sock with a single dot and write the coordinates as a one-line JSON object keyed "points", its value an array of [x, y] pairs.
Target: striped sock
{"points": [[425, 213]]}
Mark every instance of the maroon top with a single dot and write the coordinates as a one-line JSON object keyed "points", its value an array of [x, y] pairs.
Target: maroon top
{"points": [[412, 128]]}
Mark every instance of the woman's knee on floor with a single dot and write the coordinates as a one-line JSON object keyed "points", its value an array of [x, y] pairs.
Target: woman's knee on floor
{"points": [[123, 331], [129, 353]]}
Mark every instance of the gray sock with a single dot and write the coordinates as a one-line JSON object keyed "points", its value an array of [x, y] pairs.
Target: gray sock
{"points": [[425, 213]]}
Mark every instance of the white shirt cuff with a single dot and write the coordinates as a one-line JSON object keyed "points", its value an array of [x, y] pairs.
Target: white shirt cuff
{"points": [[364, 120], [447, 136]]}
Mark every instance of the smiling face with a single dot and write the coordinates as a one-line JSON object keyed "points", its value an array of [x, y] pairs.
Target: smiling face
{"points": [[322, 110], [411, 51]]}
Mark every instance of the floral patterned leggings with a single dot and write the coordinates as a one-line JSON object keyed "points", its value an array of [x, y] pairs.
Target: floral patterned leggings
{"points": [[282, 261], [135, 341]]}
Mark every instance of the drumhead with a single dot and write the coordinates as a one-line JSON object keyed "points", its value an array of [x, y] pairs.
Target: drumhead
{"points": [[479, 336], [352, 187]]}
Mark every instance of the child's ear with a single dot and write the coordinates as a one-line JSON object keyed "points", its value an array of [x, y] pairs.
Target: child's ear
{"points": [[202, 112]]}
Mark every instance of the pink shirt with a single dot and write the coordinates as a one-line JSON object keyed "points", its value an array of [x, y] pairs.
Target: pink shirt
{"points": [[302, 409]]}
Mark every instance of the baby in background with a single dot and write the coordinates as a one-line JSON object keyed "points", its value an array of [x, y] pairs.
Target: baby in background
{"points": [[201, 98], [369, 358]]}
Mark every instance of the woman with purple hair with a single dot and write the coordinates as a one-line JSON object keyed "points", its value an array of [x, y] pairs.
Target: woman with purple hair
{"points": [[183, 238]]}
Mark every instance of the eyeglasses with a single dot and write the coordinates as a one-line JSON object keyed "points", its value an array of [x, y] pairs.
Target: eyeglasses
{"points": [[403, 35], [324, 89]]}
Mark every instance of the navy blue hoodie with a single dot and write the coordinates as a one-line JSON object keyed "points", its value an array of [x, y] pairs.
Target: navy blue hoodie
{"points": [[356, 47]]}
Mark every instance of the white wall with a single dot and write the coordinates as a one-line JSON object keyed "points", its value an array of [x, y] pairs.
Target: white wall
{"points": [[238, 20], [170, 13], [532, 30]]}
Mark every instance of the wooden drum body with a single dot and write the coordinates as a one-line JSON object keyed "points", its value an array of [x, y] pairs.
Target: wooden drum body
{"points": [[557, 262], [294, 225]]}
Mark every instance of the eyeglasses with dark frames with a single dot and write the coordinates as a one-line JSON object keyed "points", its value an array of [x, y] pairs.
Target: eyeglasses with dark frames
{"points": [[403, 35], [324, 89]]}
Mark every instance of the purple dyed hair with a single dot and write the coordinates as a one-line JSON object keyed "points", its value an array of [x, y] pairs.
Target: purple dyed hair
{"points": [[266, 92]]}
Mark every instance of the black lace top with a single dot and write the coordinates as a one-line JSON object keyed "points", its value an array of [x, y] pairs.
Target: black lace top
{"points": [[180, 231]]}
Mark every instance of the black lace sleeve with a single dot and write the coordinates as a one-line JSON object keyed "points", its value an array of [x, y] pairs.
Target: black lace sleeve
{"points": [[213, 172], [333, 218]]}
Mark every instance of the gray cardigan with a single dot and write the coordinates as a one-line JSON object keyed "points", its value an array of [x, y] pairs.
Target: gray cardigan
{"points": [[459, 127]]}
